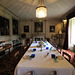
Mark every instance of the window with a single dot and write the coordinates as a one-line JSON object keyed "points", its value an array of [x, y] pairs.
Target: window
{"points": [[72, 30], [4, 26]]}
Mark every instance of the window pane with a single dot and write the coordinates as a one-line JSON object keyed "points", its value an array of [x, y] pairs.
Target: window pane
{"points": [[72, 30]]}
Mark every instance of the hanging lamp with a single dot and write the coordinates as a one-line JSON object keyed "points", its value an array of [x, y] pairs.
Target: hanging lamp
{"points": [[41, 10]]}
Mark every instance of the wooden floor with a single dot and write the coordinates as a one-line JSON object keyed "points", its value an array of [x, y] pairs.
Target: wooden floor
{"points": [[8, 63]]}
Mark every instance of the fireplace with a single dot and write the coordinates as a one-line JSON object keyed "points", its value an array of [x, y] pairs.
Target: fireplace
{"points": [[38, 37]]}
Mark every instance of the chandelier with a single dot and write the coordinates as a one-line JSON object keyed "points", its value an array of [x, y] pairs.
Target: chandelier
{"points": [[41, 10]]}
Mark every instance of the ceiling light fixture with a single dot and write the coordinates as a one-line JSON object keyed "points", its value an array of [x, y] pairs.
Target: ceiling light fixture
{"points": [[41, 10]]}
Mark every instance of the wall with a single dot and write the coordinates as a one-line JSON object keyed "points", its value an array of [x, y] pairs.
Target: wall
{"points": [[7, 14], [46, 25], [46, 28], [59, 27]]}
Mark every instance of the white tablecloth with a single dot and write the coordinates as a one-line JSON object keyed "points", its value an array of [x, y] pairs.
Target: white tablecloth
{"points": [[42, 65]]}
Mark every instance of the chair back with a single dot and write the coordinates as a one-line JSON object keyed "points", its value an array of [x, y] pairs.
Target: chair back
{"points": [[53, 73], [59, 50], [27, 40], [16, 54], [67, 56], [16, 58], [29, 73]]}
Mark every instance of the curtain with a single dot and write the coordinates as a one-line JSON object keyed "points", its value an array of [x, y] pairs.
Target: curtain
{"points": [[65, 46], [72, 14]]}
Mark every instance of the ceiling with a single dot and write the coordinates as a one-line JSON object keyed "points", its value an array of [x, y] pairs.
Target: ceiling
{"points": [[25, 9]]}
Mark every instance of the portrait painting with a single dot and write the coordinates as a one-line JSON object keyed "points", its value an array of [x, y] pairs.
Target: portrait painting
{"points": [[38, 26], [52, 28], [26, 28]]}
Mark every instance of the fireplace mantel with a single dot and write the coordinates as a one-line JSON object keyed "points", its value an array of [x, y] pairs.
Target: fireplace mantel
{"points": [[38, 36]]}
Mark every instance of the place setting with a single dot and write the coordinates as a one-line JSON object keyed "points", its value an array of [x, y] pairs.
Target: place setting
{"points": [[53, 56], [32, 50], [33, 46], [59, 57], [29, 56], [56, 58]]}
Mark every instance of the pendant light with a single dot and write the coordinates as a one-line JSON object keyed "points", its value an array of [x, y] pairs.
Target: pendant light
{"points": [[41, 10]]}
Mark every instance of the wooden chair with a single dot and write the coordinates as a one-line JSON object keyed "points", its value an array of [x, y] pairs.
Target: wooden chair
{"points": [[27, 40], [16, 58], [25, 47], [16, 55], [59, 50], [53, 73], [29, 73], [67, 56]]}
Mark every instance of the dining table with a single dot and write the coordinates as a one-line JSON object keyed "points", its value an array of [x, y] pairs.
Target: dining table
{"points": [[39, 59]]}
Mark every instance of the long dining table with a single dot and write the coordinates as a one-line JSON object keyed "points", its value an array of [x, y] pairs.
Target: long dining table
{"points": [[43, 62]]}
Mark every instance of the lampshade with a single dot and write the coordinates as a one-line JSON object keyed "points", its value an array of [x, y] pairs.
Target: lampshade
{"points": [[60, 32], [65, 21], [41, 10]]}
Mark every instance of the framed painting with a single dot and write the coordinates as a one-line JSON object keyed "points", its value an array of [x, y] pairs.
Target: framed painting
{"points": [[52, 28], [15, 27], [26, 28], [4, 26], [38, 26]]}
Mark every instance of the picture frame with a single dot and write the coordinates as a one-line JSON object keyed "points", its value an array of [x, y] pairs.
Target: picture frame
{"points": [[26, 28], [15, 27], [4, 26], [38, 26], [52, 28]]}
